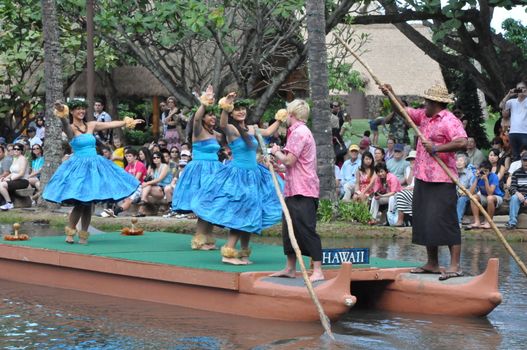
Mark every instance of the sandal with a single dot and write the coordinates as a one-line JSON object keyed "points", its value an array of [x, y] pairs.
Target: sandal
{"points": [[451, 274]]}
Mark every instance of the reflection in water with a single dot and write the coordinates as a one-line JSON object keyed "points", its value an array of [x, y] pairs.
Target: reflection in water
{"points": [[46, 318]]}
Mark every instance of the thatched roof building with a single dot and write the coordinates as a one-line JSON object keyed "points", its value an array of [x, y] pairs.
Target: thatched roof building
{"points": [[395, 60], [128, 81]]}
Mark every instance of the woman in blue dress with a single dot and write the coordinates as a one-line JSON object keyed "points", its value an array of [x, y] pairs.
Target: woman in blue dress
{"points": [[241, 195], [204, 165], [86, 178]]}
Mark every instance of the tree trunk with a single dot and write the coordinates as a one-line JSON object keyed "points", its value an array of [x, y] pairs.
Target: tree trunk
{"points": [[53, 86], [318, 83]]}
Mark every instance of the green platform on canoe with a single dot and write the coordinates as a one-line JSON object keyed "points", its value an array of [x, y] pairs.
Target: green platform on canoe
{"points": [[174, 249]]}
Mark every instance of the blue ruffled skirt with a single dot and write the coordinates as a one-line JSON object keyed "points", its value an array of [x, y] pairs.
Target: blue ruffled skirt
{"points": [[195, 174], [239, 198], [84, 180]]}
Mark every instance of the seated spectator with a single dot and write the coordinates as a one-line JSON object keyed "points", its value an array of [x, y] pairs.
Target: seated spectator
{"points": [[174, 159], [365, 178], [17, 179], [32, 137], [397, 165], [5, 162], [37, 161], [106, 152], [378, 155], [384, 190], [497, 167], [488, 193], [338, 181], [158, 177], [118, 153], [186, 155], [138, 170], [145, 156], [404, 198], [40, 128], [388, 152], [466, 178], [518, 191], [349, 171], [515, 166], [475, 156]]}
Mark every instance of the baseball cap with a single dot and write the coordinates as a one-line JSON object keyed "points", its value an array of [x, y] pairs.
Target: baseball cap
{"points": [[524, 156], [364, 143], [353, 148], [185, 153], [398, 147]]}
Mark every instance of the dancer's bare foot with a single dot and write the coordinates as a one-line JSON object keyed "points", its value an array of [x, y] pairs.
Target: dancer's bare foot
{"points": [[83, 241], [233, 261], [246, 259], [287, 273], [208, 247], [69, 239], [316, 276]]}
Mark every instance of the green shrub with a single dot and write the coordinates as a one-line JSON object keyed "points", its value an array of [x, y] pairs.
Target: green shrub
{"points": [[138, 137], [326, 210], [344, 211], [353, 211]]}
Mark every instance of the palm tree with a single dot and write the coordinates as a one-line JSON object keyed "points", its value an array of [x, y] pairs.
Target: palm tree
{"points": [[318, 83], [53, 86]]}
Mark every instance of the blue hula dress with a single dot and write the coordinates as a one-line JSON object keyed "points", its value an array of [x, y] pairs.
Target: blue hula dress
{"points": [[241, 195], [86, 177], [204, 164]]}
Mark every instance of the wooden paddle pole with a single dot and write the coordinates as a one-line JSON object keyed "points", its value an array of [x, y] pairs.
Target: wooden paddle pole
{"points": [[409, 121], [323, 318]]}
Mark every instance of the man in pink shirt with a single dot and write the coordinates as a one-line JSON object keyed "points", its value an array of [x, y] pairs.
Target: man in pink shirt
{"points": [[434, 199], [301, 191]]}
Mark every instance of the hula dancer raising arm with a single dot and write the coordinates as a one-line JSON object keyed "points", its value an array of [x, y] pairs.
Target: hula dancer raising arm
{"points": [[202, 168], [86, 178], [241, 196]]}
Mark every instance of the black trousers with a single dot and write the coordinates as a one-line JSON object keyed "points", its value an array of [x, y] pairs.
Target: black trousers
{"points": [[303, 211]]}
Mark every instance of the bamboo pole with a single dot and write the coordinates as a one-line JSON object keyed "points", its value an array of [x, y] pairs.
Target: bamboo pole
{"points": [[323, 317], [409, 121]]}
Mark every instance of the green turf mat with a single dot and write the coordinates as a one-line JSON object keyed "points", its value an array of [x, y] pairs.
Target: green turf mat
{"points": [[174, 249]]}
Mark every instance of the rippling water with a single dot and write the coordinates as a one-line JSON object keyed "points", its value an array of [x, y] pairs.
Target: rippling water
{"points": [[33, 317]]}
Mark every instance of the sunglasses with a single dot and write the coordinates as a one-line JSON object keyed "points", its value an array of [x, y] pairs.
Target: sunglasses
{"points": [[16, 149], [35, 148], [156, 157]]}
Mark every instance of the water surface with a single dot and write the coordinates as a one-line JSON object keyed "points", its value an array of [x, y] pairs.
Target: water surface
{"points": [[33, 317]]}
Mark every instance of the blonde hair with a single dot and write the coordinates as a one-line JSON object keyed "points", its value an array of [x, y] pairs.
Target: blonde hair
{"points": [[299, 109]]}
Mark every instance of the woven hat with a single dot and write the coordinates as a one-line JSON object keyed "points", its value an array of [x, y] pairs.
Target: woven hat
{"points": [[438, 93]]}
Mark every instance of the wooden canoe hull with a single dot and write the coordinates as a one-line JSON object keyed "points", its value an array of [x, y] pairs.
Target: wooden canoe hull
{"points": [[397, 290], [245, 294]]}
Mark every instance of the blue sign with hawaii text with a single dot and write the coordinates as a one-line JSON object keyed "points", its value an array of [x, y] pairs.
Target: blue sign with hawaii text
{"points": [[342, 255]]}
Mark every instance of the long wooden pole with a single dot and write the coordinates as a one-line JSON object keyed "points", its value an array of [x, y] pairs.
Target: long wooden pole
{"points": [[323, 317], [402, 111]]}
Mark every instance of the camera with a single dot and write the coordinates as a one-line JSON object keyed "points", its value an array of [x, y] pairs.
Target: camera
{"points": [[517, 90]]}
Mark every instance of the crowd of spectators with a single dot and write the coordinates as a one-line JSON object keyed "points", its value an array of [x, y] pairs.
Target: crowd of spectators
{"points": [[382, 178], [491, 175]]}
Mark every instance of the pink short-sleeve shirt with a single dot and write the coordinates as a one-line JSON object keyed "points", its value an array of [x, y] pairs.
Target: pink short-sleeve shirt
{"points": [[301, 177], [441, 129], [393, 184]]}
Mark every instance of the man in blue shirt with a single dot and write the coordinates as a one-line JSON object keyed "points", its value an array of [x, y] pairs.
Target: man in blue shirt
{"points": [[348, 172], [488, 192]]}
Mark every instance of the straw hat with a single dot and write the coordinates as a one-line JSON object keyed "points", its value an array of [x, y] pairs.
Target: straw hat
{"points": [[438, 93]]}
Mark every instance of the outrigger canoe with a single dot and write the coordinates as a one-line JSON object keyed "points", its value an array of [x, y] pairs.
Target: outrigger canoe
{"points": [[160, 267]]}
